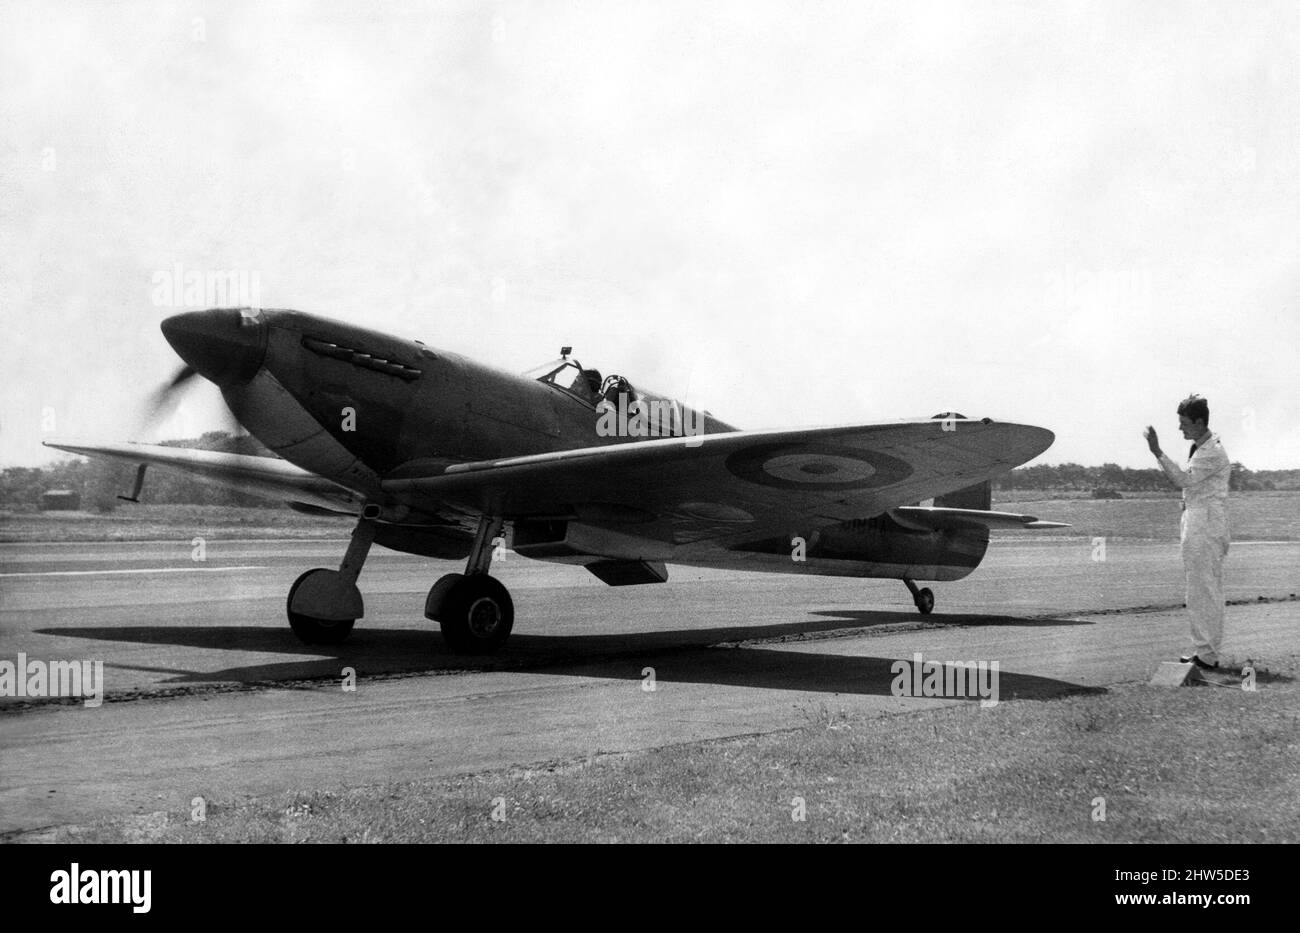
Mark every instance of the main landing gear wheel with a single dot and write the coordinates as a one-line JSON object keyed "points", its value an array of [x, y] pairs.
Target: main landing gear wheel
{"points": [[475, 612], [923, 598], [322, 608]]}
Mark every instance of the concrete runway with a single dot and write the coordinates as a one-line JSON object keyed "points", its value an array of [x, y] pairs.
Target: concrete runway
{"points": [[211, 695]]}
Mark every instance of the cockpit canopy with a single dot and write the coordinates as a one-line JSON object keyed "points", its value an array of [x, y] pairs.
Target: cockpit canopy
{"points": [[643, 413], [586, 384]]}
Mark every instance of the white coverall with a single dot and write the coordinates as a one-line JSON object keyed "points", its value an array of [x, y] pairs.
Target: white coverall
{"points": [[1205, 539]]}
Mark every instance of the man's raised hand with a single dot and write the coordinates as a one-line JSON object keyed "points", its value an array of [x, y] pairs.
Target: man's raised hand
{"points": [[1152, 440]]}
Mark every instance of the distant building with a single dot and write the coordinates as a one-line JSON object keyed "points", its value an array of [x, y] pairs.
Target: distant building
{"points": [[60, 500]]}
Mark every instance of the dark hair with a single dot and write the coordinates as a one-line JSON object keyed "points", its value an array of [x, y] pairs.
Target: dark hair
{"points": [[1195, 408]]}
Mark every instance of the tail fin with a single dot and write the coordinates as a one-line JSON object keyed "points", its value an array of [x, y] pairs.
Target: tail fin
{"points": [[979, 496]]}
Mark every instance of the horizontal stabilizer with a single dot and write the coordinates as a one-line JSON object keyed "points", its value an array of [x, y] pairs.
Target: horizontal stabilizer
{"points": [[923, 517]]}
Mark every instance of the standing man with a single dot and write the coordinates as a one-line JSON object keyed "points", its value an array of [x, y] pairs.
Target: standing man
{"points": [[1204, 526]]}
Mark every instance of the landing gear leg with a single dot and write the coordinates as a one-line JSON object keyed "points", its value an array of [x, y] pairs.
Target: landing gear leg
{"points": [[474, 610], [923, 598], [324, 604]]}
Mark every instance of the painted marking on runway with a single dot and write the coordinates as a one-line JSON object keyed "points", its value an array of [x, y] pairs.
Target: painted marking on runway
{"points": [[92, 573]]}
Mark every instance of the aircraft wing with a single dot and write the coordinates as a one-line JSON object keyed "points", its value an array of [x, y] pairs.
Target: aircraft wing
{"points": [[266, 476], [731, 487]]}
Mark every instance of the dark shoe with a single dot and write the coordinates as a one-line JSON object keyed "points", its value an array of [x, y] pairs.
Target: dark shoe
{"points": [[1199, 663]]}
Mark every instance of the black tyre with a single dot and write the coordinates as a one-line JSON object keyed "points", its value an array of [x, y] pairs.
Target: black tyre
{"points": [[925, 601], [313, 631], [477, 615]]}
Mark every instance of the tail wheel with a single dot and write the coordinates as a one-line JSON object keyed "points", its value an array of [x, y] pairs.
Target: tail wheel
{"points": [[925, 601], [477, 615], [312, 630]]}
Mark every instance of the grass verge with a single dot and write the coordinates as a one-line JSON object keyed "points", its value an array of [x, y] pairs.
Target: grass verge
{"points": [[1203, 764]]}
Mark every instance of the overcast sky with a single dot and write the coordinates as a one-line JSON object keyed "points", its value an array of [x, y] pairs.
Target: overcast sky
{"points": [[791, 214]]}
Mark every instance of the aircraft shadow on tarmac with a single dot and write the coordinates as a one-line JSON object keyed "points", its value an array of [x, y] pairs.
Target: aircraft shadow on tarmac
{"points": [[866, 617], [700, 656]]}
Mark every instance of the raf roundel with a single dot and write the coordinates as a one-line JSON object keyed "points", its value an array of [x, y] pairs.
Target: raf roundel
{"points": [[817, 467]]}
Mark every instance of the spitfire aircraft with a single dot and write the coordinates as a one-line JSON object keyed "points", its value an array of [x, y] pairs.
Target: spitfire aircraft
{"points": [[437, 455]]}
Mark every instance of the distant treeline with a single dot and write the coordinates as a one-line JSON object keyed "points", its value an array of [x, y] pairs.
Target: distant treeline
{"points": [[100, 482], [1110, 476]]}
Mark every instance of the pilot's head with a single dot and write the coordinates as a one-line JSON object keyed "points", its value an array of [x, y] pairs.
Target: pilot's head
{"points": [[1193, 417]]}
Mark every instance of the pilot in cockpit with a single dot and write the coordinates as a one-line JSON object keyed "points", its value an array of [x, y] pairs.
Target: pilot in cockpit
{"points": [[592, 377], [616, 386]]}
